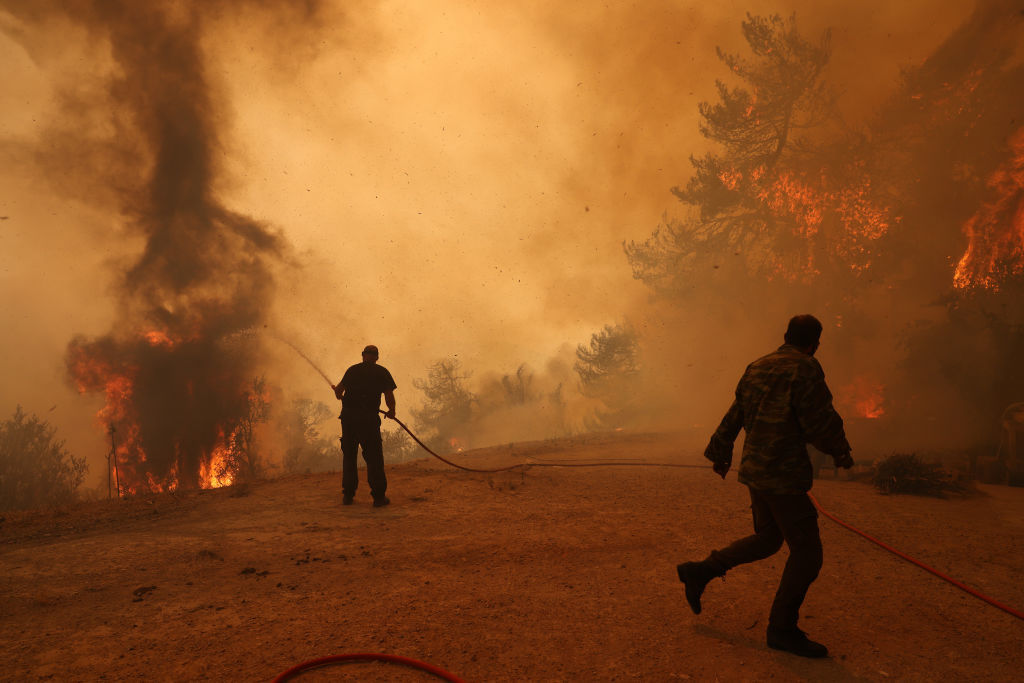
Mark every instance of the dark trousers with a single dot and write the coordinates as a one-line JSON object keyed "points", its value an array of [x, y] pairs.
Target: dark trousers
{"points": [[363, 432], [778, 518]]}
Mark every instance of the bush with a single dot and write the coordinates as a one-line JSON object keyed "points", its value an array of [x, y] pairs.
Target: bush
{"points": [[398, 447], [308, 448], [35, 469], [908, 473]]}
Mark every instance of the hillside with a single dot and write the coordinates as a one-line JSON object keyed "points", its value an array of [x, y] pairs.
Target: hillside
{"points": [[549, 574]]}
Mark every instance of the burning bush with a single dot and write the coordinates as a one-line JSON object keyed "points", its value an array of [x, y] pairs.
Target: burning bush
{"points": [[35, 469], [908, 473]]}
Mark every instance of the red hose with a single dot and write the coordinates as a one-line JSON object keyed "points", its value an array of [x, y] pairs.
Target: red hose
{"points": [[368, 657], [922, 565], [527, 465], [944, 577], [448, 462]]}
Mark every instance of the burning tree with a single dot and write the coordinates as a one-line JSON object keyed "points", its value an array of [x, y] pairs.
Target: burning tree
{"points": [[956, 146], [921, 211], [174, 370], [768, 206]]}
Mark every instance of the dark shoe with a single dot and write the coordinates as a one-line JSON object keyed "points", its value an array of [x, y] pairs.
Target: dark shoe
{"points": [[381, 502], [695, 575], [346, 500], [796, 642]]}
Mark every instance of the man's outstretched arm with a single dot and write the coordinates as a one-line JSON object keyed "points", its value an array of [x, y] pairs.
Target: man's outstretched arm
{"points": [[389, 398]]}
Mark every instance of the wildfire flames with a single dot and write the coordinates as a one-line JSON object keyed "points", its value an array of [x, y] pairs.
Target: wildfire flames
{"points": [[995, 234], [867, 398], [217, 472], [852, 219], [174, 375], [160, 404]]}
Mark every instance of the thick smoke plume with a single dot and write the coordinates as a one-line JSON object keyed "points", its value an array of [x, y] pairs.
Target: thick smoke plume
{"points": [[175, 370], [458, 180]]}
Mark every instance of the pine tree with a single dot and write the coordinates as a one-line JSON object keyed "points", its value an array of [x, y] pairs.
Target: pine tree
{"points": [[754, 198]]}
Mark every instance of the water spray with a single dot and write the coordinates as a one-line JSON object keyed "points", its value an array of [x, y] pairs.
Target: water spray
{"points": [[306, 358]]}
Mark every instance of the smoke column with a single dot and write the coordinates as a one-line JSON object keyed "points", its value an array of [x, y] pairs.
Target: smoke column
{"points": [[174, 389]]}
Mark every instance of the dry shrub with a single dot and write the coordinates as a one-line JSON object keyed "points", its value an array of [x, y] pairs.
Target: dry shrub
{"points": [[908, 473]]}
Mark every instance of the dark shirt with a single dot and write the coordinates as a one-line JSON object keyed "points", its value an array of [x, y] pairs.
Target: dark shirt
{"points": [[364, 383], [782, 403]]}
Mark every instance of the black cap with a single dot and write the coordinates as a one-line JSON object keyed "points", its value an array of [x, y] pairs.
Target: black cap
{"points": [[371, 350]]}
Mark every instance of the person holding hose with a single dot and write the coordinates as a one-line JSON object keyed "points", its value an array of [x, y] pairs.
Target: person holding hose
{"points": [[359, 391], [782, 403]]}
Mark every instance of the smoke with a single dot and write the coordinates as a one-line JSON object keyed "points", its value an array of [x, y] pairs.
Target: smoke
{"points": [[173, 368], [937, 150], [452, 181]]}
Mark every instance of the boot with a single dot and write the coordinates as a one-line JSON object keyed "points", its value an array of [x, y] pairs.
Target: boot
{"points": [[695, 576], [796, 642]]}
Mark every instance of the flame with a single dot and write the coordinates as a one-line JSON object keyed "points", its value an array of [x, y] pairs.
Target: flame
{"points": [[730, 178], [455, 445], [867, 397], [840, 218], [995, 233], [829, 216], [871, 408], [159, 338], [94, 369], [217, 471], [789, 195]]}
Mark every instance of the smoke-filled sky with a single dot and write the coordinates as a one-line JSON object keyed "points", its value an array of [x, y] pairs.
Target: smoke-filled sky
{"points": [[455, 179]]}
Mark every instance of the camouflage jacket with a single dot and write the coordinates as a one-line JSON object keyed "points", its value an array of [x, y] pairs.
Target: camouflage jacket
{"points": [[783, 403]]}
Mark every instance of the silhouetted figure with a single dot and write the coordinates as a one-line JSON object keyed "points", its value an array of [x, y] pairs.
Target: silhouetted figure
{"points": [[782, 403], [360, 390]]}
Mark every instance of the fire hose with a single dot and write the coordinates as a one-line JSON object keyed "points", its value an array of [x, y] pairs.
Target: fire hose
{"points": [[962, 586], [367, 657], [527, 465], [444, 675]]}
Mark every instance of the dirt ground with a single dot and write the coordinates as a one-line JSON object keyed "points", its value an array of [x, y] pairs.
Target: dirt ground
{"points": [[555, 574]]}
